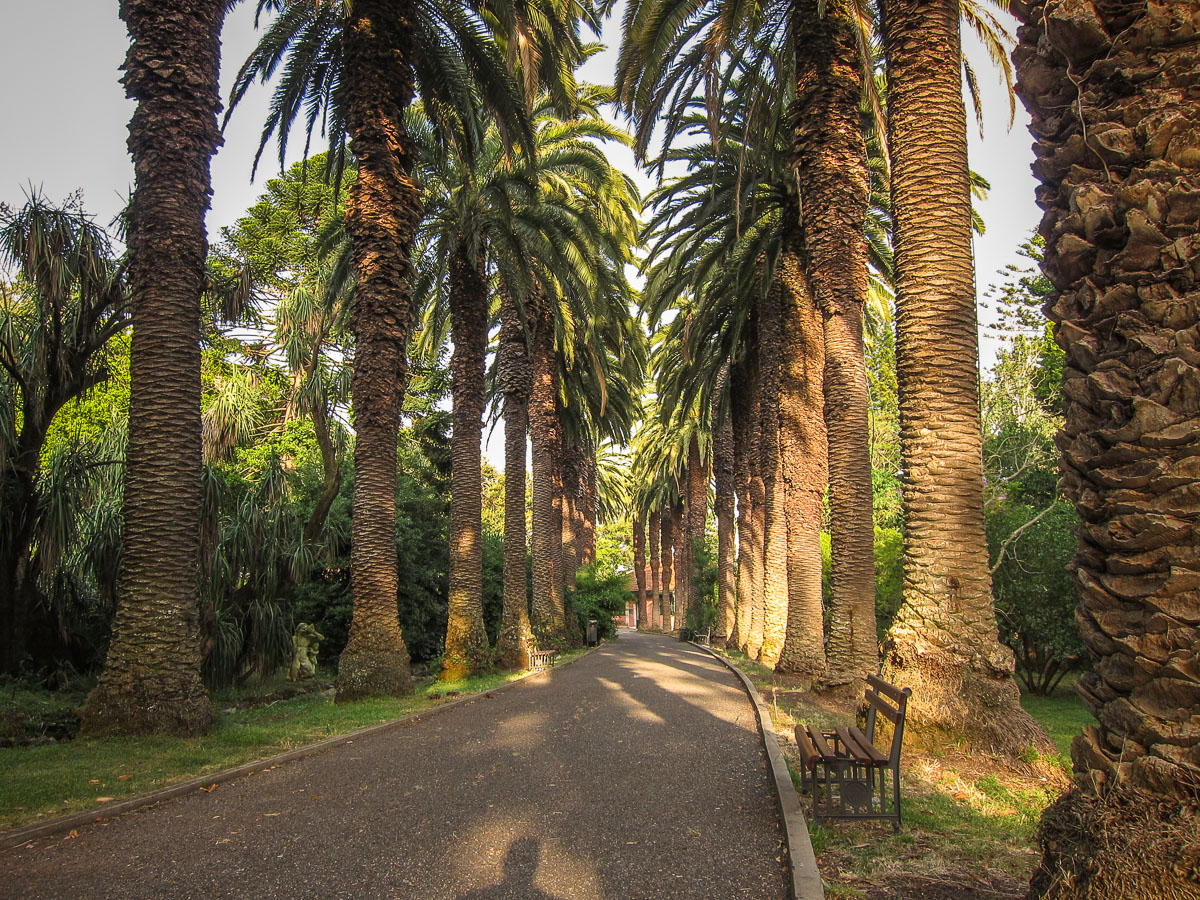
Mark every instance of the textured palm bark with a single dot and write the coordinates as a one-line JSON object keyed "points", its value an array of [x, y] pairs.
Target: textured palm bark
{"points": [[549, 614], [757, 507], [944, 642], [831, 166], [639, 569], [1114, 93], [562, 525], [590, 504], [740, 391], [570, 515], [382, 211], [151, 679], [697, 517], [680, 561], [466, 649], [723, 468], [667, 548], [654, 531], [775, 524], [803, 462], [515, 640]]}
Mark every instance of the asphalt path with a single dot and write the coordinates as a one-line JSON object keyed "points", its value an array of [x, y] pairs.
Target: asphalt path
{"points": [[635, 772]]}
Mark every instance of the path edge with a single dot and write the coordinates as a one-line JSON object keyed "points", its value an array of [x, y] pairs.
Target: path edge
{"points": [[802, 861], [10, 840]]}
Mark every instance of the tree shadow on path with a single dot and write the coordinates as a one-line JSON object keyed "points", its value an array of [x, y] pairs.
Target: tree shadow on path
{"points": [[520, 867]]}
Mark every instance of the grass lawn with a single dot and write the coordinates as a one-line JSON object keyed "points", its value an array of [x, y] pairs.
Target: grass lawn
{"points": [[970, 821], [38, 782]]}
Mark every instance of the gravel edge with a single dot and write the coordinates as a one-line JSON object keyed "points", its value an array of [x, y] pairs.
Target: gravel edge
{"points": [[806, 883], [20, 836]]}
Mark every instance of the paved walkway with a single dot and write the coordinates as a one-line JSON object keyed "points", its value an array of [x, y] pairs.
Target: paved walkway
{"points": [[636, 772]]}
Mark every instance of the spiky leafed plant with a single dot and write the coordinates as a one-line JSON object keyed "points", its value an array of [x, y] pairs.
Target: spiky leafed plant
{"points": [[67, 301]]}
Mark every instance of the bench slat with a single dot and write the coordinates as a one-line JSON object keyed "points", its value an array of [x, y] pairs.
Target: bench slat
{"points": [[818, 740], [877, 758], [886, 688], [807, 752], [892, 714], [853, 748]]}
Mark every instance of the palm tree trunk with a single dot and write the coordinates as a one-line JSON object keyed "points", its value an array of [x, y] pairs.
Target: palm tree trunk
{"points": [[639, 565], [723, 469], [944, 642], [382, 211], [466, 640], [775, 536], [697, 513], [654, 608], [667, 546], [831, 164], [804, 453], [151, 679], [680, 562], [740, 398], [549, 615], [591, 501], [515, 641], [1111, 89], [570, 484]]}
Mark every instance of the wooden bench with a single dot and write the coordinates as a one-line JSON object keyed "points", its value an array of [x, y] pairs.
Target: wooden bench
{"points": [[703, 637], [847, 774], [541, 659]]}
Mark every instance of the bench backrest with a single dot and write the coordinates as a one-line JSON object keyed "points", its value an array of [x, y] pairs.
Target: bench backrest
{"points": [[887, 700]]}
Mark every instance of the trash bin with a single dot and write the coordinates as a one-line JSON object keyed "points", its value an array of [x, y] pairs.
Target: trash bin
{"points": [[593, 633]]}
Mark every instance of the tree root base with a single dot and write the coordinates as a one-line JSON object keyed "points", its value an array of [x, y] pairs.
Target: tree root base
{"points": [[1125, 845], [178, 708], [372, 673]]}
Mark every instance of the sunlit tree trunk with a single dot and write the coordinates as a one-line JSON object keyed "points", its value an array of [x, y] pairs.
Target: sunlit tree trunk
{"points": [[831, 168], [549, 614], [639, 568], [654, 614], [723, 472], [1112, 89], [775, 536], [803, 462], [697, 515], [514, 378], [151, 679], [944, 642], [667, 548], [466, 649], [740, 392]]}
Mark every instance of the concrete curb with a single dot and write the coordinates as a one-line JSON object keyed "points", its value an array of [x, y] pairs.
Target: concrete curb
{"points": [[802, 862], [21, 836]]}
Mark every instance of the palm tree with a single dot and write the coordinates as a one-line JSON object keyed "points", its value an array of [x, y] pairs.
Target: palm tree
{"points": [[355, 68], [151, 679], [654, 604], [723, 506], [944, 642], [56, 324], [1120, 228]]}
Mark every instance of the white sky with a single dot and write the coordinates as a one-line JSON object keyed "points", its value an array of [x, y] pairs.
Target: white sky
{"points": [[65, 117]]}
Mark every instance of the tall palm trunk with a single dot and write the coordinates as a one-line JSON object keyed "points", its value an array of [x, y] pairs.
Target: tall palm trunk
{"points": [[740, 392], [723, 469], [667, 547], [697, 514], [549, 613], [382, 211], [151, 679], [466, 640], [639, 566], [570, 508], [758, 500], [680, 562], [591, 500], [803, 452], [654, 608], [775, 536], [1112, 92], [831, 165], [944, 642], [515, 640]]}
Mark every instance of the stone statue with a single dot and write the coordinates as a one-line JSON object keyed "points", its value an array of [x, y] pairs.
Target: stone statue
{"points": [[305, 644]]}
